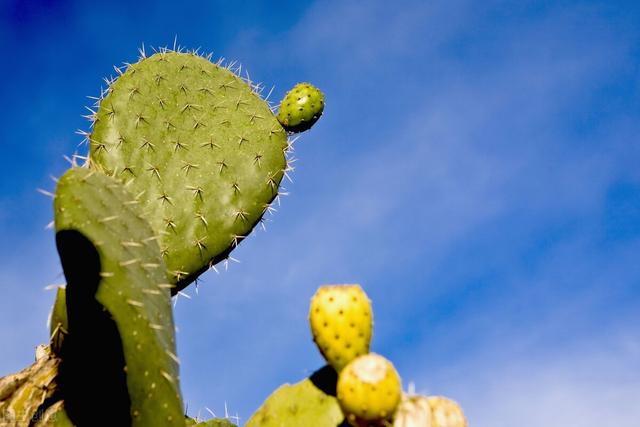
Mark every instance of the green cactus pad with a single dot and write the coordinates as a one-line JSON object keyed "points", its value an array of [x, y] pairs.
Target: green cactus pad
{"points": [[301, 404], [117, 297], [58, 327], [202, 150], [301, 107]]}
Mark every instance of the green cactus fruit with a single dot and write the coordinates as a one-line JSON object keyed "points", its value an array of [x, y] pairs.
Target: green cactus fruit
{"points": [[202, 151], [369, 391], [301, 404], [341, 323], [414, 411], [118, 361], [301, 107], [446, 412], [58, 326]]}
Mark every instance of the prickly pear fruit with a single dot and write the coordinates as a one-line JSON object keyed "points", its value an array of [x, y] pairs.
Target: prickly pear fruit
{"points": [[199, 148], [446, 413], [414, 411], [369, 391], [301, 107], [341, 322]]}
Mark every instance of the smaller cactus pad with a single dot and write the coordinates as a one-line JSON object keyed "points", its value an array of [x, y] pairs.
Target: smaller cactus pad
{"points": [[341, 322], [446, 413], [369, 390], [301, 107], [301, 404], [115, 274]]}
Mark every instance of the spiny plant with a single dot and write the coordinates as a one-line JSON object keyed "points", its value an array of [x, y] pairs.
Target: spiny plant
{"points": [[185, 158], [200, 148], [365, 392]]}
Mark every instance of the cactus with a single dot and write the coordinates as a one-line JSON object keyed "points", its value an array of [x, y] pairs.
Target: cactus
{"points": [[341, 322], [25, 394], [185, 159], [54, 416], [202, 149], [369, 390], [215, 422], [118, 307], [301, 107], [58, 325], [309, 403]]}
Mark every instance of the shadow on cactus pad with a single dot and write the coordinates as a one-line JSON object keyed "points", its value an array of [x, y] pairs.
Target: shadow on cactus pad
{"points": [[92, 356]]}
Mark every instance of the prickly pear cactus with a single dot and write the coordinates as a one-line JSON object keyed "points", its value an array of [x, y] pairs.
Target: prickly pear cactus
{"points": [[369, 390], [118, 306], [341, 323], [301, 404], [202, 150]]}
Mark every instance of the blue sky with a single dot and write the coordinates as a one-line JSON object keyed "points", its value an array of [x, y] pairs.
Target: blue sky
{"points": [[476, 170]]}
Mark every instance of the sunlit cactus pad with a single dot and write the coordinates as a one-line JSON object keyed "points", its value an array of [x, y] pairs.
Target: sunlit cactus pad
{"points": [[301, 404], [125, 283], [201, 148]]}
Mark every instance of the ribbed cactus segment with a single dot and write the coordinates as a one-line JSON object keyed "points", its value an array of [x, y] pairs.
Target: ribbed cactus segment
{"points": [[201, 148], [59, 326], [301, 404], [115, 274]]}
